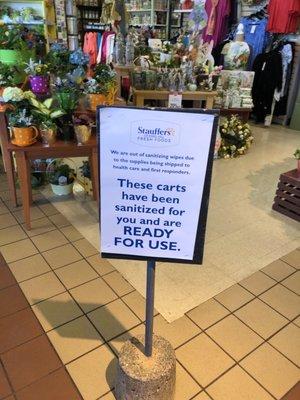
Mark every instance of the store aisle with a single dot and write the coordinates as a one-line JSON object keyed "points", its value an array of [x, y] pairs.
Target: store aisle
{"points": [[243, 342], [243, 233]]}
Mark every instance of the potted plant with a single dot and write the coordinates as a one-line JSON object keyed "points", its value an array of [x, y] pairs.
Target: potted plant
{"points": [[58, 60], [83, 128], [102, 88], [38, 77], [8, 76], [23, 130], [79, 60], [96, 94], [19, 116], [297, 156], [86, 173], [46, 115], [66, 94], [14, 45], [61, 178]]}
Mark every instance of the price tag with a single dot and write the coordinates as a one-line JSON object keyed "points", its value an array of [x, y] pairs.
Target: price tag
{"points": [[175, 100]]}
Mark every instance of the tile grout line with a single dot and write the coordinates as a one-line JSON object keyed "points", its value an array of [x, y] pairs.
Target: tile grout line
{"points": [[6, 376]]}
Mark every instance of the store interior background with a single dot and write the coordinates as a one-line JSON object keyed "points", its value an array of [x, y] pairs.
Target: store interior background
{"points": [[244, 234], [66, 312]]}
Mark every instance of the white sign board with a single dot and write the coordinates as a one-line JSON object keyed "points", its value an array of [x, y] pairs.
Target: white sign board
{"points": [[154, 182]]}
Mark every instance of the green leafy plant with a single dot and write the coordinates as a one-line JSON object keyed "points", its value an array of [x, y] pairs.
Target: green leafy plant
{"points": [[105, 77], [297, 154], [11, 39], [8, 75], [91, 86], [58, 60], [61, 174], [34, 68], [85, 169], [20, 118], [45, 113]]}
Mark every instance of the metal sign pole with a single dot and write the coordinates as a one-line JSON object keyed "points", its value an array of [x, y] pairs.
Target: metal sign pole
{"points": [[149, 307]]}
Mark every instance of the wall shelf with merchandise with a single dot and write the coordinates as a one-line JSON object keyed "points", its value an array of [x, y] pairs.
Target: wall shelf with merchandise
{"points": [[154, 13], [39, 13]]}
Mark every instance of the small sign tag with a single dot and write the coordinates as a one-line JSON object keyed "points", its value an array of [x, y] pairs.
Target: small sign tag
{"points": [[175, 100]]}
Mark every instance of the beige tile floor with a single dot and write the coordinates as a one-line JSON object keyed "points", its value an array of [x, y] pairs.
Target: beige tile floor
{"points": [[243, 233], [242, 344]]}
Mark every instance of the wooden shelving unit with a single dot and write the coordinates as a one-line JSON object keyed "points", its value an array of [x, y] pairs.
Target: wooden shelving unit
{"points": [[44, 10], [155, 14]]}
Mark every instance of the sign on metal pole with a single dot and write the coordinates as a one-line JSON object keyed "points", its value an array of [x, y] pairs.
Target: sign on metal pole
{"points": [[155, 174]]}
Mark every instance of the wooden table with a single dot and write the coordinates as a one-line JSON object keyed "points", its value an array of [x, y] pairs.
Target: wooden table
{"points": [[59, 149], [243, 113], [140, 96]]}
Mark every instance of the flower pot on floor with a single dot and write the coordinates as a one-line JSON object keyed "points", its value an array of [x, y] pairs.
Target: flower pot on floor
{"points": [[62, 190]]}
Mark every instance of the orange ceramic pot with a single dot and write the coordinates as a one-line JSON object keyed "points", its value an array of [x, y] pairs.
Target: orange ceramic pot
{"points": [[97, 99], [25, 136]]}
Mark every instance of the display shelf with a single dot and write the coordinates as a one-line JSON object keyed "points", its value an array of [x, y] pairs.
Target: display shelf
{"points": [[183, 11], [43, 9], [28, 23], [141, 11], [158, 15]]}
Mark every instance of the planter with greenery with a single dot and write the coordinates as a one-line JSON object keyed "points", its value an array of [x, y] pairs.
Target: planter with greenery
{"points": [[46, 116], [8, 76], [20, 117], [14, 46], [67, 95], [86, 173], [61, 177], [38, 77], [83, 128]]}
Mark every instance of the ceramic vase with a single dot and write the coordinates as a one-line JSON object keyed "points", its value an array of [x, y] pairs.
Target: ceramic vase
{"points": [[83, 133], [24, 136], [39, 84], [97, 99], [48, 136]]}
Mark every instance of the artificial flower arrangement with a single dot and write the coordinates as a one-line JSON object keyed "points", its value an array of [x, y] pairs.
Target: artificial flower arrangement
{"points": [[236, 137], [46, 115], [105, 77], [38, 76], [58, 60], [101, 88], [36, 68], [21, 120]]}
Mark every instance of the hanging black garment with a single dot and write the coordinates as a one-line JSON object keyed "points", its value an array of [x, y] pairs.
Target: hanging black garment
{"points": [[268, 77]]}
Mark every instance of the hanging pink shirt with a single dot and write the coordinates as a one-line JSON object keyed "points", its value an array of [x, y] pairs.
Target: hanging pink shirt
{"points": [[218, 15]]}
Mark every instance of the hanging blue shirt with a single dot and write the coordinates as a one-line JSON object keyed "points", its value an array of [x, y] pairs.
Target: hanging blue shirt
{"points": [[256, 36]]}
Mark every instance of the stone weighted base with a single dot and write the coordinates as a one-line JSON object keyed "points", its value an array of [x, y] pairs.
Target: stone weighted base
{"points": [[146, 378]]}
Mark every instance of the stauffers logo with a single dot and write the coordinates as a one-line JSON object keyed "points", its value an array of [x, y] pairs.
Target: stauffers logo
{"points": [[155, 133]]}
